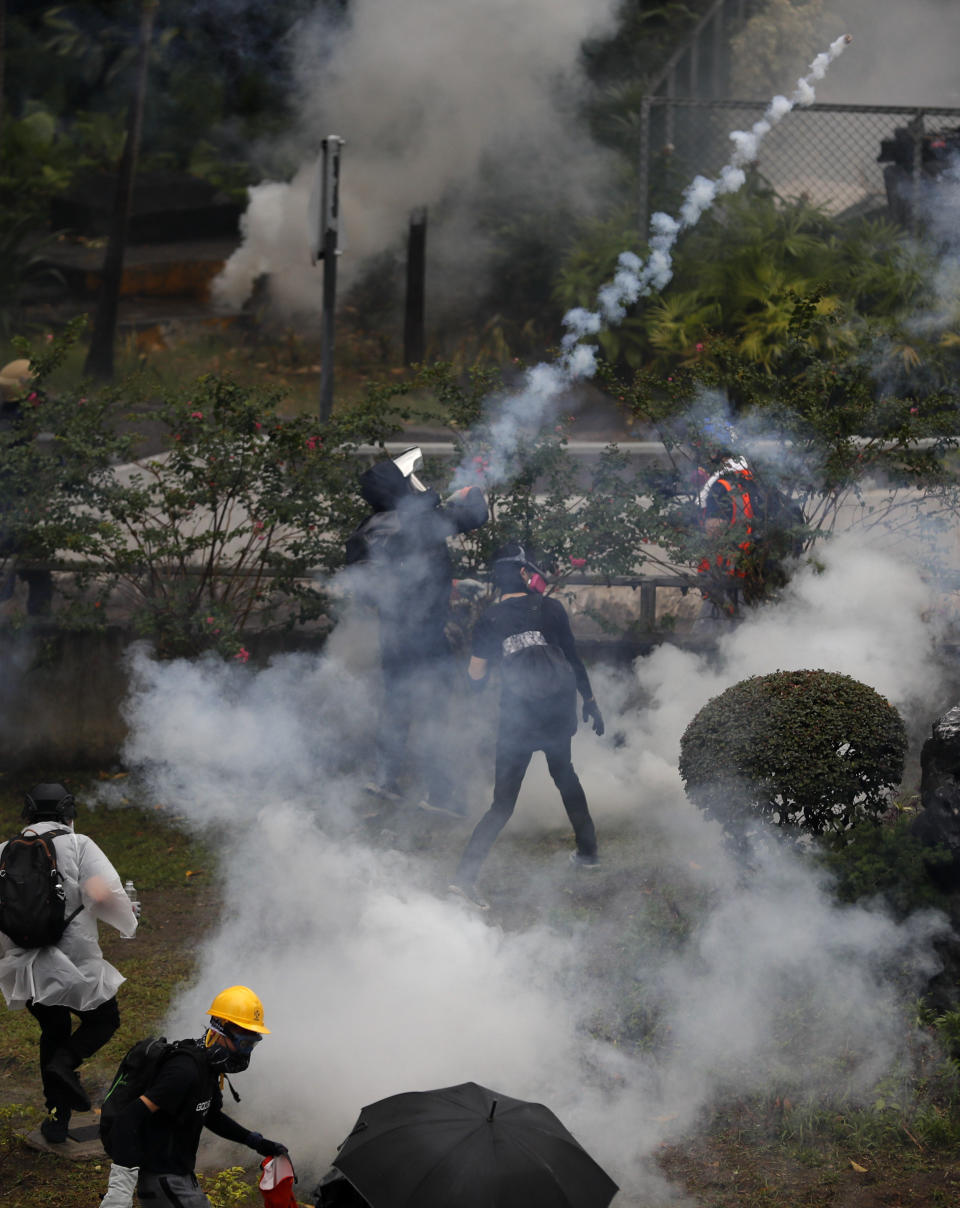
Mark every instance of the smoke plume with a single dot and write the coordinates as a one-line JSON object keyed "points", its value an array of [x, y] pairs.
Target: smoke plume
{"points": [[905, 54], [432, 99], [375, 982]]}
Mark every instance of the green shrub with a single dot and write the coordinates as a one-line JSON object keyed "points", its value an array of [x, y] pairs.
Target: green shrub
{"points": [[888, 861], [810, 749]]}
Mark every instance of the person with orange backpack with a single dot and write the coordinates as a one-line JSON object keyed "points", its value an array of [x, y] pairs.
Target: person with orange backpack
{"points": [[754, 528], [726, 502]]}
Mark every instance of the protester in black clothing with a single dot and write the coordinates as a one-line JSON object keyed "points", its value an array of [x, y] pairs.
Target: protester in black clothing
{"points": [[155, 1138], [538, 707], [404, 546]]}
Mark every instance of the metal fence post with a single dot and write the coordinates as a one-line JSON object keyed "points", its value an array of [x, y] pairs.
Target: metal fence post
{"points": [[643, 168], [915, 126]]}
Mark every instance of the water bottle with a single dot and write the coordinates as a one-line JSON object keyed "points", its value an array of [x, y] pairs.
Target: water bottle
{"points": [[131, 891]]}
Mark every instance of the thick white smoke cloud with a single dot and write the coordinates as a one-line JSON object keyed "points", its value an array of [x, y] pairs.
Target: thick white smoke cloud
{"points": [[906, 53], [430, 97], [374, 982]]}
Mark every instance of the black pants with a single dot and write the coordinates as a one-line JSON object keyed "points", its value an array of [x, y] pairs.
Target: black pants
{"points": [[171, 1191], [511, 767], [417, 693], [95, 1029]]}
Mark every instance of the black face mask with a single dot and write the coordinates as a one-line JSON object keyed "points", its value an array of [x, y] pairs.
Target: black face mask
{"points": [[236, 1061], [220, 1058]]}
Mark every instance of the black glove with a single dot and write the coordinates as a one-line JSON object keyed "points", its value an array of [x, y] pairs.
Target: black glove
{"points": [[266, 1149], [592, 713]]}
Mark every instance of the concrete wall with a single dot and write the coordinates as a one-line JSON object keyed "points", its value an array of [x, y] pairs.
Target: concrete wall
{"points": [[60, 697], [62, 693]]}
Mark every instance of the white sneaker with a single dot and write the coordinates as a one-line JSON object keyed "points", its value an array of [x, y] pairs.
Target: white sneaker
{"points": [[378, 790], [579, 860], [469, 895], [449, 811]]}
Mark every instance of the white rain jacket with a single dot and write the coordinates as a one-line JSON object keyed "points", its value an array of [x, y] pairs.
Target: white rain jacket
{"points": [[71, 973]]}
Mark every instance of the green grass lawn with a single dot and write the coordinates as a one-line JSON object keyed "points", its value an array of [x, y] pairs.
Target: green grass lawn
{"points": [[761, 1152]]}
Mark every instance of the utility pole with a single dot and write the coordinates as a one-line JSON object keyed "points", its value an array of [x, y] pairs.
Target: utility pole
{"points": [[325, 215], [99, 362], [413, 337]]}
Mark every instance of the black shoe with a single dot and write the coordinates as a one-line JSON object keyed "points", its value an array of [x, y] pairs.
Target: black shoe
{"points": [[579, 860], [61, 1073], [54, 1128]]}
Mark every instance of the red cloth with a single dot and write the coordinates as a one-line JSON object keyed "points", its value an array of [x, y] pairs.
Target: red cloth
{"points": [[276, 1182]]}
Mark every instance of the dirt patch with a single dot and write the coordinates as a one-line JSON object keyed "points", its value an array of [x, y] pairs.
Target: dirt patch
{"points": [[725, 1172]]}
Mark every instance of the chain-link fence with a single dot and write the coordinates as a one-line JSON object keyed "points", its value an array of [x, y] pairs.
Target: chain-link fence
{"points": [[850, 159]]}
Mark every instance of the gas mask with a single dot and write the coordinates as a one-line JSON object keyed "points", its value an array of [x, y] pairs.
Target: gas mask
{"points": [[221, 1056]]}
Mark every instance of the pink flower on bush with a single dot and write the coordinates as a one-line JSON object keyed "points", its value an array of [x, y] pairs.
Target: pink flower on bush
{"points": [[242, 655], [578, 563], [209, 620], [196, 415], [699, 347]]}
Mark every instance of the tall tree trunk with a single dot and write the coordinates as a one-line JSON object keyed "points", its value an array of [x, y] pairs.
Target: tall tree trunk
{"points": [[3, 63], [100, 354]]}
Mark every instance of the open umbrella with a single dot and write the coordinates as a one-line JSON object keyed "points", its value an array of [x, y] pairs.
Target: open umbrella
{"points": [[469, 1147]]}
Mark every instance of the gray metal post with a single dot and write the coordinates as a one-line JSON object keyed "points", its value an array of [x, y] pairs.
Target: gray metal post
{"points": [[916, 128], [328, 252], [415, 305]]}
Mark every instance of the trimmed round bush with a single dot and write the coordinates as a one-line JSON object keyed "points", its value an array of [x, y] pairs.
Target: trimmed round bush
{"points": [[810, 749]]}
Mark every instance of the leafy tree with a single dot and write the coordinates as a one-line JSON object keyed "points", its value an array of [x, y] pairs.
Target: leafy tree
{"points": [[772, 41], [217, 534], [817, 430], [54, 449], [814, 750]]}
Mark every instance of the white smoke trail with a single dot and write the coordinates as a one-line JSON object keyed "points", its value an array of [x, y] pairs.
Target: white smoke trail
{"points": [[634, 279]]}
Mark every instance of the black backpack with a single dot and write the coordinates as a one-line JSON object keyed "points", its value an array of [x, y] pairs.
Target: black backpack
{"points": [[32, 899], [135, 1073], [534, 669]]}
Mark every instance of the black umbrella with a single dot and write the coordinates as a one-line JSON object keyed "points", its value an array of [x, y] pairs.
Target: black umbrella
{"points": [[469, 1147]]}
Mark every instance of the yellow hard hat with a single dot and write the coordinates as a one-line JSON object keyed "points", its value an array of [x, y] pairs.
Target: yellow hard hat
{"points": [[241, 1006]]}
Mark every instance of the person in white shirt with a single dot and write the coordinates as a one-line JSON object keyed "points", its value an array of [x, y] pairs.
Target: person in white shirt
{"points": [[71, 977]]}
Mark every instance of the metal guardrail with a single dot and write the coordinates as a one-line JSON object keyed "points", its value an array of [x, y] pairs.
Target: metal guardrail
{"points": [[647, 585]]}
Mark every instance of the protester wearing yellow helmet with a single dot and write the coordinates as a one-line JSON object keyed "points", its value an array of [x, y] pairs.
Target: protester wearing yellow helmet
{"points": [[154, 1138]]}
